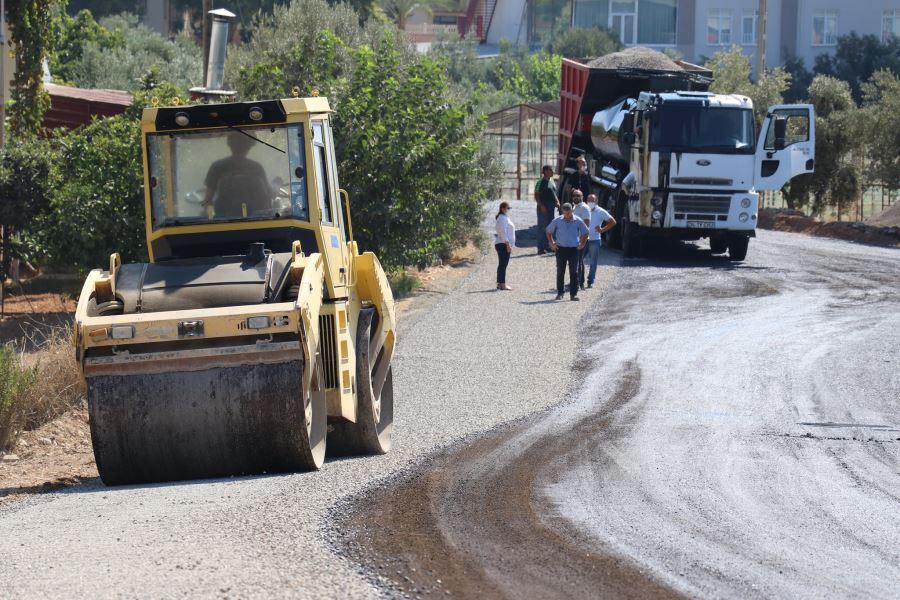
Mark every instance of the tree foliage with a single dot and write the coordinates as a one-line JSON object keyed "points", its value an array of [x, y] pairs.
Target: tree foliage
{"points": [[116, 52], [837, 179], [731, 74], [30, 25], [408, 150], [882, 131], [578, 42], [25, 191], [857, 58]]}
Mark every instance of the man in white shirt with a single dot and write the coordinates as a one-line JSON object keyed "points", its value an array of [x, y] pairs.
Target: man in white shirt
{"points": [[581, 211], [599, 222]]}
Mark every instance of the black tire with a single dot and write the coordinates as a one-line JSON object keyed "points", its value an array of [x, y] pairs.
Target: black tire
{"points": [[614, 235], [113, 307], [737, 247], [631, 239], [718, 245], [372, 432]]}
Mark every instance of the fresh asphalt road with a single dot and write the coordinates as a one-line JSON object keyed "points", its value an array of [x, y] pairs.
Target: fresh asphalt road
{"points": [[741, 440], [467, 361], [735, 433]]}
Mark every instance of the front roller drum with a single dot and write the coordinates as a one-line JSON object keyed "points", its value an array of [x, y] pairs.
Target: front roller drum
{"points": [[234, 420]]}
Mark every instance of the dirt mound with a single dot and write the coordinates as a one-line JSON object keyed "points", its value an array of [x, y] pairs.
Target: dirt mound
{"points": [[636, 58], [851, 231], [890, 217]]}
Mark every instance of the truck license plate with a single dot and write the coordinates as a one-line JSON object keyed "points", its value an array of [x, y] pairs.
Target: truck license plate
{"points": [[701, 224]]}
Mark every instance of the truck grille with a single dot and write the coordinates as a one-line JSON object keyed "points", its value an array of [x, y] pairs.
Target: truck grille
{"points": [[702, 181], [328, 345], [715, 205]]}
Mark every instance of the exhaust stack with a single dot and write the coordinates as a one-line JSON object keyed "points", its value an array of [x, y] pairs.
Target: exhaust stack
{"points": [[215, 68]]}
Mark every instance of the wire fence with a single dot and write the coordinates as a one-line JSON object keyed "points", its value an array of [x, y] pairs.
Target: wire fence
{"points": [[875, 200]]}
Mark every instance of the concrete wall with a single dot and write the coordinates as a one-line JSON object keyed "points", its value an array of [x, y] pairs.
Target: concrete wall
{"points": [[508, 23]]}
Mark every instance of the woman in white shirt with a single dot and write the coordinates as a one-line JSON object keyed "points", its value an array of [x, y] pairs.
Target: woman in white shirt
{"points": [[506, 239]]}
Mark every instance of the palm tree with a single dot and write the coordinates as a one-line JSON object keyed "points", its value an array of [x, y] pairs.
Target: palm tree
{"points": [[400, 10]]}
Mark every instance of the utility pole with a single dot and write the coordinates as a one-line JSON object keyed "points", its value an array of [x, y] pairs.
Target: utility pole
{"points": [[761, 39], [207, 6]]}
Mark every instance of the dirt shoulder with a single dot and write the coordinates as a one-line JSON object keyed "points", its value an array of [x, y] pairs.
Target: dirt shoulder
{"points": [[59, 453], [852, 231]]}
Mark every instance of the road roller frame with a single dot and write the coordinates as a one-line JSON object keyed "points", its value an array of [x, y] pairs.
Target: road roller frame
{"points": [[184, 384]]}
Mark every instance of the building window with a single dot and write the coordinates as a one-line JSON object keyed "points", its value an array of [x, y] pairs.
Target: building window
{"points": [[890, 25], [825, 28], [623, 20], [591, 13], [748, 28], [444, 19], [656, 22], [718, 25]]}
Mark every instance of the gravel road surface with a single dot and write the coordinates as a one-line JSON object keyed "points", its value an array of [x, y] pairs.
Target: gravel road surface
{"points": [[475, 358], [736, 434]]}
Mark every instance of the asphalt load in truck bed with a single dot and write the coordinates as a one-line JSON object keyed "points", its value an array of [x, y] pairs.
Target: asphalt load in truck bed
{"points": [[733, 432], [635, 58]]}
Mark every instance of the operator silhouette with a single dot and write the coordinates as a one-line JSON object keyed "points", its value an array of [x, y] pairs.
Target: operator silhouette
{"points": [[237, 184]]}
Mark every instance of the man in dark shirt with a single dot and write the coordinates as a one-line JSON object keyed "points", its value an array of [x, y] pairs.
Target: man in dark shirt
{"points": [[581, 179], [236, 182], [547, 202]]}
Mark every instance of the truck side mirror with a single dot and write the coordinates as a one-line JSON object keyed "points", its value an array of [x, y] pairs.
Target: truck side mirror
{"points": [[780, 124]]}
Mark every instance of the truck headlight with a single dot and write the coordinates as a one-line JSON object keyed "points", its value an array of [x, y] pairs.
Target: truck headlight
{"points": [[745, 202], [258, 322], [743, 217], [656, 215]]}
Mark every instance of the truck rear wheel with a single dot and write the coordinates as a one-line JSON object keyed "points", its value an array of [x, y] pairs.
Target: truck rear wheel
{"points": [[371, 434], [737, 247]]}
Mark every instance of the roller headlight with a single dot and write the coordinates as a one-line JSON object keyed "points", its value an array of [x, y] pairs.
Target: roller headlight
{"points": [[656, 215], [743, 217], [256, 114], [745, 202], [656, 201], [182, 119]]}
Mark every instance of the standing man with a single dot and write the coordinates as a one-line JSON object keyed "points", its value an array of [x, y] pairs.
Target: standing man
{"points": [[547, 203], [599, 223], [581, 211], [567, 235], [581, 179]]}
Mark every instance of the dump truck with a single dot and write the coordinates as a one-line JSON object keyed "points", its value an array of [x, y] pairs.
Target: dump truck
{"points": [[669, 159], [257, 332]]}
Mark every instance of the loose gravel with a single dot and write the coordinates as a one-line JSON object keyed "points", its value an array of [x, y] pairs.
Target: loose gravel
{"points": [[636, 58], [477, 358]]}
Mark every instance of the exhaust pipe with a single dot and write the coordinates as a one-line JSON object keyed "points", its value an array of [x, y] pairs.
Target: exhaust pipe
{"points": [[218, 44]]}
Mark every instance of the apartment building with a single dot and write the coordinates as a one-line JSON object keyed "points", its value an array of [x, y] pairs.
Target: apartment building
{"points": [[699, 28]]}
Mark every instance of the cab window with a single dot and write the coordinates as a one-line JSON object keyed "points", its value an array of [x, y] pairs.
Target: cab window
{"points": [[323, 181], [797, 127]]}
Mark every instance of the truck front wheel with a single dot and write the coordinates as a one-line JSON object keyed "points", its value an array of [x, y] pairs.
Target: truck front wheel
{"points": [[718, 244], [631, 239], [737, 247]]}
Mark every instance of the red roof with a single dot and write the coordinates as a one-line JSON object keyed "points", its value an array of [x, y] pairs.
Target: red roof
{"points": [[72, 106]]}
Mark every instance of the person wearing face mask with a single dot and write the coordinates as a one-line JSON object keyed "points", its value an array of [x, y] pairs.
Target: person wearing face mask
{"points": [[599, 223], [506, 239]]}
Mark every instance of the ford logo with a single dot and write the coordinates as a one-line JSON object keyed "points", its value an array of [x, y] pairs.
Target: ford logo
{"points": [[703, 163]]}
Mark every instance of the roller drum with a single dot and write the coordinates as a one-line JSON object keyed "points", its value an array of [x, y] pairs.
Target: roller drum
{"points": [[217, 422]]}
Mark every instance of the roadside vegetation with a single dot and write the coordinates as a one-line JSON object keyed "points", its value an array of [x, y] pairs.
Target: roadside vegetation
{"points": [[37, 388]]}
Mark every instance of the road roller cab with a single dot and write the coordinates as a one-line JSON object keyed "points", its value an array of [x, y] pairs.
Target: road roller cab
{"points": [[257, 331]]}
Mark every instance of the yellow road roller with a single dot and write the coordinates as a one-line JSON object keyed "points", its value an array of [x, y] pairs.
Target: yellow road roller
{"points": [[257, 332]]}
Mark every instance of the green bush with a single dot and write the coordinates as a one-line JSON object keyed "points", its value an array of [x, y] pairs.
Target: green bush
{"points": [[585, 43], [16, 381], [409, 150]]}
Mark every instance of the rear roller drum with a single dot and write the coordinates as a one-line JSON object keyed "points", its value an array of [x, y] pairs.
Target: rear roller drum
{"points": [[371, 434], [217, 422]]}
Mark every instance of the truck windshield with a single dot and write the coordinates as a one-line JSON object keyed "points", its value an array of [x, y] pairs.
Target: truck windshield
{"points": [[694, 128], [227, 175]]}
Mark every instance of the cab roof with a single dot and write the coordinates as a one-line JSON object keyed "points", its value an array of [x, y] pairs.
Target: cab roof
{"points": [[231, 113], [706, 99]]}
